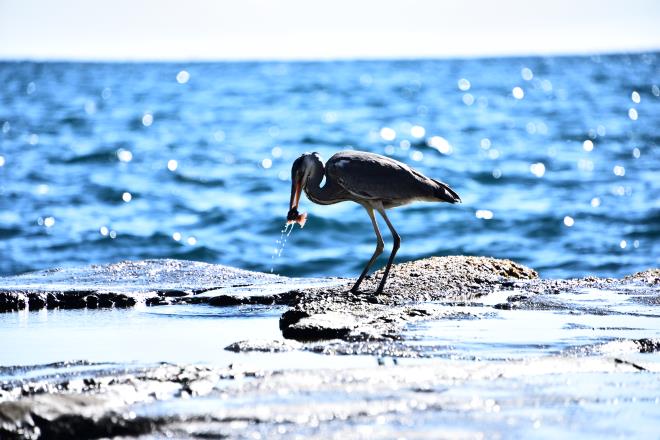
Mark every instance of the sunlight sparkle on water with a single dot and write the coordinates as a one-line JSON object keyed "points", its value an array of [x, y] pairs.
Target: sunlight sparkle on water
{"points": [[124, 155], [104, 231], [636, 98], [485, 143], [518, 92], [588, 145], [468, 99], [182, 77], [417, 131], [632, 114], [441, 144], [147, 119], [387, 133], [2, 161], [623, 244], [172, 165], [276, 152], [484, 214], [404, 144], [526, 74], [569, 221], [192, 241], [126, 197], [595, 202], [266, 163], [538, 169], [417, 155], [636, 153], [618, 170], [176, 236], [464, 85]]}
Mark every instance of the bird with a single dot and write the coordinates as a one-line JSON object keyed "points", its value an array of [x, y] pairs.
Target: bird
{"points": [[374, 181]]}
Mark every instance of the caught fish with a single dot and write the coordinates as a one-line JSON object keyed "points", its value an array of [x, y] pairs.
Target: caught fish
{"points": [[295, 217]]}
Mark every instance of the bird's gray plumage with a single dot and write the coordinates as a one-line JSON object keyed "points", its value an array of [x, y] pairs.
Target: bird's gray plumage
{"points": [[376, 182]]}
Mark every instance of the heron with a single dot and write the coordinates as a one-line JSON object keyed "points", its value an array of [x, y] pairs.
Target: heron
{"points": [[376, 182]]}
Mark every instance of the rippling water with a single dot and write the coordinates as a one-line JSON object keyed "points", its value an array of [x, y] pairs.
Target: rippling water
{"points": [[556, 160]]}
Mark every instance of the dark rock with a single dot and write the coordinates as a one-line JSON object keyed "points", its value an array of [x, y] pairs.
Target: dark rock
{"points": [[12, 301], [227, 300]]}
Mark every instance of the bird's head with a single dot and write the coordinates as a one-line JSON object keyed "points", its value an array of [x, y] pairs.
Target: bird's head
{"points": [[301, 171]]}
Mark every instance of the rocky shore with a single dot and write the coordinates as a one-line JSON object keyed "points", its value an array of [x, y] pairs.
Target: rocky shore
{"points": [[463, 396]]}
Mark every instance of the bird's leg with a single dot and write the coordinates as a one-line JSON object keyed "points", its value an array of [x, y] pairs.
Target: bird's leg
{"points": [[379, 249], [395, 247]]}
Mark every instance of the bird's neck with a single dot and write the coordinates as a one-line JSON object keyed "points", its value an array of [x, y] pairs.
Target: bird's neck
{"points": [[313, 189]]}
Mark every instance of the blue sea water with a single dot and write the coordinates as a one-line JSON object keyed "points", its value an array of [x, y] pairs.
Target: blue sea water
{"points": [[556, 160]]}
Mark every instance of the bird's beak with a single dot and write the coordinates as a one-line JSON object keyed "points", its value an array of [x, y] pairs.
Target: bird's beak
{"points": [[296, 187]]}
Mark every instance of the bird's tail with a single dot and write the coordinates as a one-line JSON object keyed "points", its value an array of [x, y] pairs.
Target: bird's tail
{"points": [[445, 193]]}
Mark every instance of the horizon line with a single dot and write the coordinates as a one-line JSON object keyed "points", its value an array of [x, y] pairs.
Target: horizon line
{"points": [[351, 58]]}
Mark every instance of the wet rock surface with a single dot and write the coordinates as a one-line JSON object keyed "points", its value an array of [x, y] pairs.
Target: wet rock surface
{"points": [[466, 346]]}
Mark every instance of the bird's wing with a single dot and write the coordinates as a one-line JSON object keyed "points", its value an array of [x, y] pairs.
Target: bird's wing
{"points": [[369, 176]]}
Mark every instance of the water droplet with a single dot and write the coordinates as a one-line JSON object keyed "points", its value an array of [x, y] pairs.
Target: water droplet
{"points": [[127, 197], [635, 97], [49, 222], [192, 241], [104, 231], [485, 143], [588, 145], [623, 244], [595, 202], [518, 92], [538, 169], [655, 90], [124, 155], [636, 244], [172, 165], [182, 77], [468, 99], [636, 153], [417, 131], [176, 236], [147, 119], [497, 173], [632, 114], [569, 221], [113, 234], [267, 163], [526, 73], [387, 133], [31, 88], [484, 214], [464, 85]]}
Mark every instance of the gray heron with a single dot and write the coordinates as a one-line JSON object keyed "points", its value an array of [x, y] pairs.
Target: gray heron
{"points": [[376, 182]]}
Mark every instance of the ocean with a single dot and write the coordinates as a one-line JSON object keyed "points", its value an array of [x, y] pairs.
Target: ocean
{"points": [[555, 158]]}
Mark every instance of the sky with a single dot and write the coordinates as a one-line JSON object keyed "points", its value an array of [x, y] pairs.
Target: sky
{"points": [[310, 29]]}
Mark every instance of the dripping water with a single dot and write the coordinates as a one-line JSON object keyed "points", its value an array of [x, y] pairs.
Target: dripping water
{"points": [[279, 244]]}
